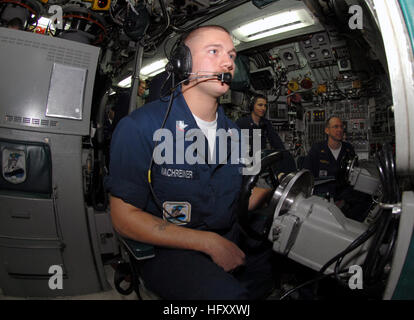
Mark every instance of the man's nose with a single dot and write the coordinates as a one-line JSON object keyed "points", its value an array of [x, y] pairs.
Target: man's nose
{"points": [[228, 62]]}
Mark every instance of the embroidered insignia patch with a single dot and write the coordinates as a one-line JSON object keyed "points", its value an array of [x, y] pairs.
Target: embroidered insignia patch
{"points": [[178, 212], [14, 166], [324, 161]]}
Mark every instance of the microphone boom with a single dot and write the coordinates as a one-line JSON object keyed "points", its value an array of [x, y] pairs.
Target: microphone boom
{"points": [[225, 77]]}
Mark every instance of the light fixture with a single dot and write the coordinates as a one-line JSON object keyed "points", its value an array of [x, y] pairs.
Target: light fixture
{"points": [[154, 68], [278, 23], [126, 83], [148, 71]]}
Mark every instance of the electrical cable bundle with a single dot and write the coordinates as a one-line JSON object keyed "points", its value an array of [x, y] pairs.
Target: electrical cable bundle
{"points": [[338, 259], [384, 229], [178, 22], [382, 246]]}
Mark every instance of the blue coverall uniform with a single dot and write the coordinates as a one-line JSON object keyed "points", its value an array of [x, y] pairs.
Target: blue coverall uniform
{"points": [[321, 162], [323, 165], [269, 137], [204, 196]]}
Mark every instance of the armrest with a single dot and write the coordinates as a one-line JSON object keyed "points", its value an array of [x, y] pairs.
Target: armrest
{"points": [[139, 250]]}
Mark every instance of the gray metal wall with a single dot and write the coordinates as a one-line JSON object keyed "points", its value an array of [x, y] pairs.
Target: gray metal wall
{"points": [[49, 234]]}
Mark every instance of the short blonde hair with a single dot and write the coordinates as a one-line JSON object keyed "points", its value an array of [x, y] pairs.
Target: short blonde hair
{"points": [[184, 39]]}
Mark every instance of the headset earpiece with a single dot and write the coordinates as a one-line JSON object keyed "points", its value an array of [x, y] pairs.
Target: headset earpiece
{"points": [[180, 62], [251, 103]]}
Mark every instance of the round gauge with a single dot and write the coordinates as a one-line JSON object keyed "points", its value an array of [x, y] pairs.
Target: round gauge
{"points": [[288, 56], [325, 53]]}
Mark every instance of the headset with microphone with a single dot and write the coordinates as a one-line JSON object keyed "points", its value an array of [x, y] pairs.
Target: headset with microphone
{"points": [[181, 64], [254, 99], [252, 102]]}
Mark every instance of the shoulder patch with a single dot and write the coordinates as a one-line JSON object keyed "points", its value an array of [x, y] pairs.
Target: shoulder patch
{"points": [[178, 213], [14, 166]]}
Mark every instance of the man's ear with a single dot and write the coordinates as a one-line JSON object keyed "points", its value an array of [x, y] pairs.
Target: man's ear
{"points": [[326, 130]]}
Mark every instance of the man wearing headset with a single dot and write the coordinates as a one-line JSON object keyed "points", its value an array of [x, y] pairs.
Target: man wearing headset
{"points": [[196, 244], [270, 140]]}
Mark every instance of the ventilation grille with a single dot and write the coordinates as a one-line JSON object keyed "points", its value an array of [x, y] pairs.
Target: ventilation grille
{"points": [[31, 121], [53, 53]]}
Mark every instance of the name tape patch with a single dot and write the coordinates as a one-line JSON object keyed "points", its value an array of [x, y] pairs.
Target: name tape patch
{"points": [[178, 173]]}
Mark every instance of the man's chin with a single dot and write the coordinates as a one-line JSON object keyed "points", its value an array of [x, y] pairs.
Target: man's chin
{"points": [[222, 87], [215, 87]]}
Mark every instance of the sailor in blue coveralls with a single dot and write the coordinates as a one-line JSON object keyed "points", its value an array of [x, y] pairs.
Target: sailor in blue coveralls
{"points": [[324, 160], [270, 139], [196, 245]]}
